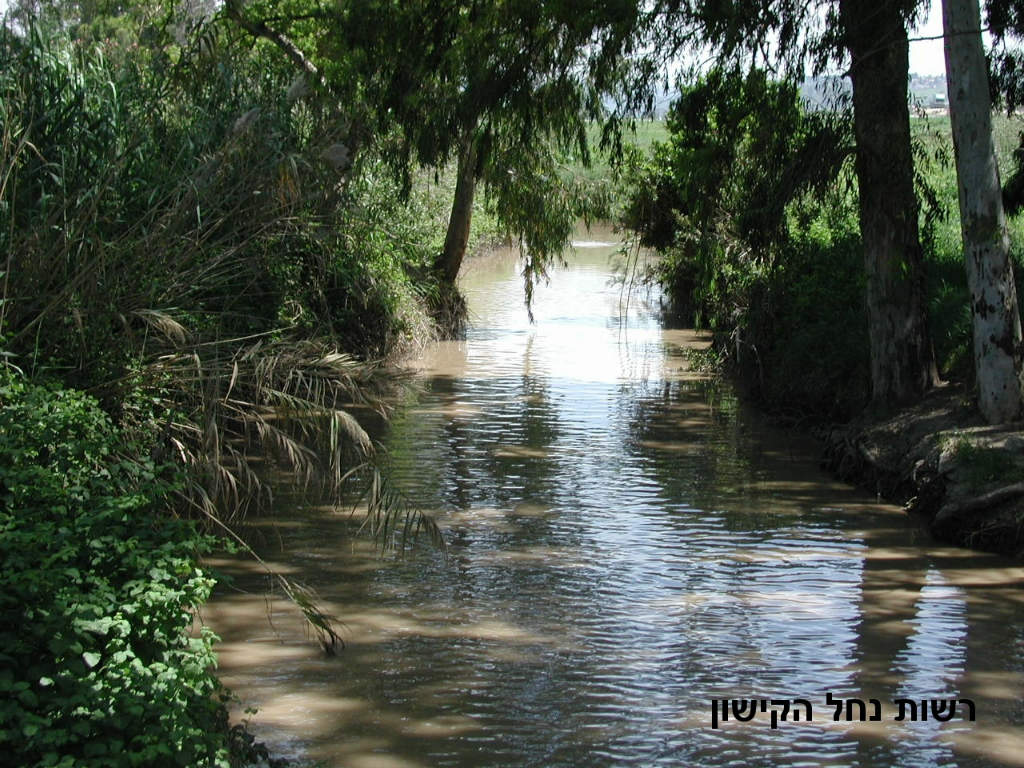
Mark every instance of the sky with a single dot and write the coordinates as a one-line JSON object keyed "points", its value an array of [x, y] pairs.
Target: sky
{"points": [[926, 56]]}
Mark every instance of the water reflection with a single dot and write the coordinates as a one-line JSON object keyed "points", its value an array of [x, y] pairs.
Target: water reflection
{"points": [[627, 544]]}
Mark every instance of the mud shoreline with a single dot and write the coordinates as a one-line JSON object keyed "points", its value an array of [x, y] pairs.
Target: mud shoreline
{"points": [[939, 459]]}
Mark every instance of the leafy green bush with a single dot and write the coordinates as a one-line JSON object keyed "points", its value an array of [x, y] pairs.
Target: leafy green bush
{"points": [[98, 665], [759, 238], [194, 180], [179, 221], [751, 202], [814, 350]]}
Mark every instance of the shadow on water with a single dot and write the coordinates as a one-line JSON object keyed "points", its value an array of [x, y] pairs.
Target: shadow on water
{"points": [[627, 543]]}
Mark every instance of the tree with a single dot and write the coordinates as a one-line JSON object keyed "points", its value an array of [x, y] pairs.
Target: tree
{"points": [[994, 314], [449, 260], [783, 36], [902, 363], [489, 85]]}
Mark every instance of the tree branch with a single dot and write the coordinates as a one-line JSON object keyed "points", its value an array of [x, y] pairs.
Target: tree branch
{"points": [[957, 508], [282, 41], [944, 36]]}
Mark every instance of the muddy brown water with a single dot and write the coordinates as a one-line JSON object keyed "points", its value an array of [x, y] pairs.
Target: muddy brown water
{"points": [[628, 544]]}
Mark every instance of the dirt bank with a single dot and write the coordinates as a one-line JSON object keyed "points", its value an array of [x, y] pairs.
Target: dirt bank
{"points": [[966, 479]]}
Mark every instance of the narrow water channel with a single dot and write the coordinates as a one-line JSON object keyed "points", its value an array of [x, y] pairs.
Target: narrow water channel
{"points": [[628, 544]]}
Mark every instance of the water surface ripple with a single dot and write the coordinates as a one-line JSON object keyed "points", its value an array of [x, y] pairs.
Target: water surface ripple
{"points": [[627, 543]]}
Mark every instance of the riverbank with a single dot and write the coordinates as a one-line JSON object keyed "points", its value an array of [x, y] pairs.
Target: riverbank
{"points": [[627, 542], [965, 479], [201, 287], [100, 665]]}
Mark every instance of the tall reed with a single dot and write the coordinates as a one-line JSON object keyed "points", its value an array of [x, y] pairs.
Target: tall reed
{"points": [[167, 215]]}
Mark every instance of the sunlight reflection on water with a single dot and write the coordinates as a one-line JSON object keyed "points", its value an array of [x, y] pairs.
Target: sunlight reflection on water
{"points": [[627, 543]]}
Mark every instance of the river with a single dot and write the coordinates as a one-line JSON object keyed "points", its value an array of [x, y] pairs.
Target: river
{"points": [[627, 545]]}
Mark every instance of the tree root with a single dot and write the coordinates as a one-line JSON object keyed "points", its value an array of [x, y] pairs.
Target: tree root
{"points": [[954, 509]]}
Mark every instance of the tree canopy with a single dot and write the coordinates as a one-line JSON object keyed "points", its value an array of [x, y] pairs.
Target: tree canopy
{"points": [[502, 87]]}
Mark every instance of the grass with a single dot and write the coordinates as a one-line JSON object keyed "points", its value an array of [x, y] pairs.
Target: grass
{"points": [[646, 133], [640, 137], [983, 466]]}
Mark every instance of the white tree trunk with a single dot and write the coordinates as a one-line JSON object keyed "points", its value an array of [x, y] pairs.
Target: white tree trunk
{"points": [[995, 319]]}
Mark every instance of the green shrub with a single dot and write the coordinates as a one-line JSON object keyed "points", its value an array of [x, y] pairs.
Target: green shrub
{"points": [[815, 345], [751, 202], [195, 183], [948, 298], [759, 238], [98, 665]]}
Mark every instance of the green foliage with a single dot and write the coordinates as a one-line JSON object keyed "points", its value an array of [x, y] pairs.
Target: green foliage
{"points": [[362, 279], [948, 296], [187, 237], [514, 71], [715, 195], [814, 354], [510, 83], [768, 254], [99, 663], [748, 202], [208, 189], [538, 199], [181, 235]]}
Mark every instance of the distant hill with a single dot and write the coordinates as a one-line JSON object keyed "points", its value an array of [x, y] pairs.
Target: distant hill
{"points": [[926, 91]]}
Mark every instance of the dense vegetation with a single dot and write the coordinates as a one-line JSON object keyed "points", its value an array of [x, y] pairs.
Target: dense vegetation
{"points": [[194, 272], [98, 665], [207, 249], [869, 41], [215, 221], [752, 200], [760, 242]]}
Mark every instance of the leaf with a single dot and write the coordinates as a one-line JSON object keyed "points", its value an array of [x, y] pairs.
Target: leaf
{"points": [[91, 659]]}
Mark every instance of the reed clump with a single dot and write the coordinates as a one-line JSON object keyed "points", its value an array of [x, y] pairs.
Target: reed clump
{"points": [[196, 277], [183, 244]]}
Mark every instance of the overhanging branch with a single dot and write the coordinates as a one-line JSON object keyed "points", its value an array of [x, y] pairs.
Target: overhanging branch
{"points": [[281, 40]]}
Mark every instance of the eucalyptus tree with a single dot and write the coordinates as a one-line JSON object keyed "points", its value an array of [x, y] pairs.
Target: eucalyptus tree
{"points": [[870, 37], [994, 312], [497, 87]]}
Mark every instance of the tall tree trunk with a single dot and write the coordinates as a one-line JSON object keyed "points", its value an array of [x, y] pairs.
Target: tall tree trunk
{"points": [[994, 314], [450, 259], [902, 360]]}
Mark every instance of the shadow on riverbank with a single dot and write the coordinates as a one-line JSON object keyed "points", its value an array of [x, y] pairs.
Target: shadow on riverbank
{"points": [[939, 458]]}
